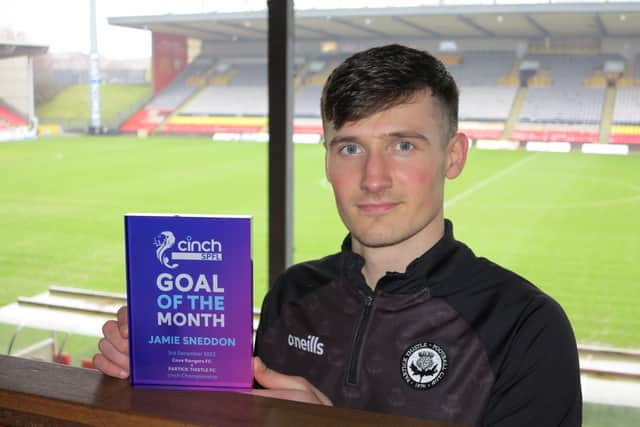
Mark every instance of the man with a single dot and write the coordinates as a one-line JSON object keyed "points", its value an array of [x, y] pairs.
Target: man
{"points": [[405, 319]]}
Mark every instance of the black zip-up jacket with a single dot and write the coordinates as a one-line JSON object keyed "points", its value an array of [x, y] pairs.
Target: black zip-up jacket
{"points": [[455, 338]]}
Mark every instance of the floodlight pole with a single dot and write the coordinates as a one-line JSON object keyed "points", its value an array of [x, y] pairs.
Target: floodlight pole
{"points": [[280, 72], [94, 73]]}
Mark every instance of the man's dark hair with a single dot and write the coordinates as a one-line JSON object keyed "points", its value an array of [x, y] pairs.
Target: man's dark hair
{"points": [[382, 77]]}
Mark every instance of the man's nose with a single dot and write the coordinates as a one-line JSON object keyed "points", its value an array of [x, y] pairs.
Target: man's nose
{"points": [[376, 176]]}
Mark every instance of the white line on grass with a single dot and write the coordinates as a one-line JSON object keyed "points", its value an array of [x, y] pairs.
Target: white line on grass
{"points": [[488, 180]]}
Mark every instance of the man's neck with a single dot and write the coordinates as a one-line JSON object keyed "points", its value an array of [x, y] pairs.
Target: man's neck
{"points": [[396, 257]]}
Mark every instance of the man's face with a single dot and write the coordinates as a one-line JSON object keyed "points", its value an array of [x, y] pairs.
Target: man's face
{"points": [[388, 170]]}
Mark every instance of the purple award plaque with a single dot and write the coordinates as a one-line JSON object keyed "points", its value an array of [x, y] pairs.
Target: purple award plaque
{"points": [[190, 300]]}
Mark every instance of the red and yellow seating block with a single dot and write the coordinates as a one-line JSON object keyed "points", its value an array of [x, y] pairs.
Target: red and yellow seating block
{"points": [[625, 134], [213, 124]]}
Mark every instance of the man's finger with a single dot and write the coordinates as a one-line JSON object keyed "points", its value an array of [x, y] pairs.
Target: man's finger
{"points": [[104, 365], [276, 381], [123, 321], [114, 356], [112, 332]]}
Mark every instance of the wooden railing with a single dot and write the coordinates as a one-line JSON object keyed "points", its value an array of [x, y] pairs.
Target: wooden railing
{"points": [[46, 394], [610, 362]]}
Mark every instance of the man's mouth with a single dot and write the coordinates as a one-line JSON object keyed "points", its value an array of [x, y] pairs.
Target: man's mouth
{"points": [[376, 208]]}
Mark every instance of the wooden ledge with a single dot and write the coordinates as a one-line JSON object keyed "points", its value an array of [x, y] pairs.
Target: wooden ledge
{"points": [[41, 393]]}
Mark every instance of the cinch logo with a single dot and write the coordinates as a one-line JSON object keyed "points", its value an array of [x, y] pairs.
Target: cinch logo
{"points": [[310, 344], [188, 249]]}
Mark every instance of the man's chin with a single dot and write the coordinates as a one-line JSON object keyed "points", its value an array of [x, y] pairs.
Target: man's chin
{"points": [[377, 240]]}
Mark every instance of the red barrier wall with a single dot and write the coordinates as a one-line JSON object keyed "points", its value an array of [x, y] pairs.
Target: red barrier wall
{"points": [[11, 118], [623, 138], [554, 135], [145, 120]]}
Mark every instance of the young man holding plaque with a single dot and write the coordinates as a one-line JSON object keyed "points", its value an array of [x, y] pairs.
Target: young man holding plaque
{"points": [[404, 319]]}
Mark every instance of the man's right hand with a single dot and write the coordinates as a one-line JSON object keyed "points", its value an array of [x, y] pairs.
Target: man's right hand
{"points": [[113, 358]]}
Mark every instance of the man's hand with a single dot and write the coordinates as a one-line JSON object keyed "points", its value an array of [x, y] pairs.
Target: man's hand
{"points": [[113, 358], [287, 387]]}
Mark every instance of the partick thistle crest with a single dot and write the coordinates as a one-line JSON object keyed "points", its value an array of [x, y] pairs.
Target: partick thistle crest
{"points": [[423, 365]]}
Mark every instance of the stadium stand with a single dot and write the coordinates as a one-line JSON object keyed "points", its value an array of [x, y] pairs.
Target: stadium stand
{"points": [[238, 89], [228, 100], [562, 104], [550, 132], [478, 74], [249, 75], [626, 116], [571, 69], [170, 98], [185, 85], [621, 134], [230, 95], [627, 106], [561, 91], [302, 125], [307, 101], [13, 125], [482, 130], [145, 120], [9, 118], [486, 102], [480, 68], [213, 124], [565, 98], [242, 93]]}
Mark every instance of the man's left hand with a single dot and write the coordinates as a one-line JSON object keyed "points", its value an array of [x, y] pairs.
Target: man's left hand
{"points": [[287, 387]]}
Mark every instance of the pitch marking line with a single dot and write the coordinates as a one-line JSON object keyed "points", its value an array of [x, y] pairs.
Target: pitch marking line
{"points": [[488, 180]]}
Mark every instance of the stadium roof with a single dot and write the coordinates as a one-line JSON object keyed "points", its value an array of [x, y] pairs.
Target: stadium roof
{"points": [[530, 21], [12, 49]]}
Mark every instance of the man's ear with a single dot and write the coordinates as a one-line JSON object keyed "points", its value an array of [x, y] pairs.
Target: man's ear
{"points": [[326, 164], [456, 155], [328, 132]]}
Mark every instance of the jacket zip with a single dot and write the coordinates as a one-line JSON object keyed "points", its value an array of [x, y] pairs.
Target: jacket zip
{"points": [[354, 363]]}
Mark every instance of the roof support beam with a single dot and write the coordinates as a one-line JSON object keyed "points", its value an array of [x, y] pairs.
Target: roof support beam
{"points": [[322, 33], [601, 27], [543, 31], [475, 26], [410, 24], [280, 57], [197, 32], [362, 28], [233, 26]]}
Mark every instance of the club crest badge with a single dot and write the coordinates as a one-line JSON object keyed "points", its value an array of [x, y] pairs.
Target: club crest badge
{"points": [[424, 365]]}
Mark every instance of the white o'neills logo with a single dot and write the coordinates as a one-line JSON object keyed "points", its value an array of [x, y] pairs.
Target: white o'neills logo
{"points": [[187, 249], [424, 365], [310, 344]]}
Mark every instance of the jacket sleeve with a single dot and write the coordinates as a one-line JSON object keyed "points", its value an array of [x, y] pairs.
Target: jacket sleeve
{"points": [[538, 383], [267, 312]]}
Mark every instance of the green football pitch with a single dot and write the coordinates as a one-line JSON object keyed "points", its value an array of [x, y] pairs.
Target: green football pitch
{"points": [[568, 222]]}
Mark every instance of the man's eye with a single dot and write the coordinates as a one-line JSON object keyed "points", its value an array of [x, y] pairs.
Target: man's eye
{"points": [[350, 149], [404, 146]]}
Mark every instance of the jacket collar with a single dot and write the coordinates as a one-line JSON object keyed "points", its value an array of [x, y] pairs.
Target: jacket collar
{"points": [[428, 270]]}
